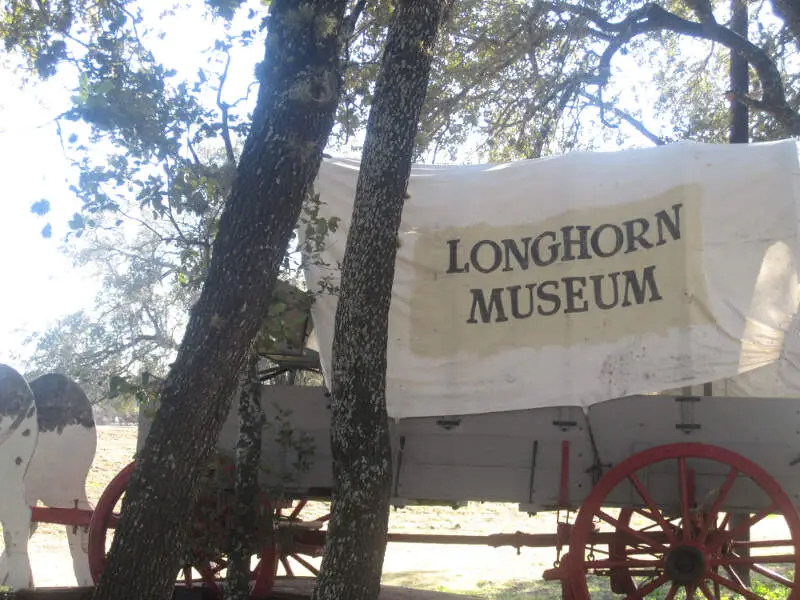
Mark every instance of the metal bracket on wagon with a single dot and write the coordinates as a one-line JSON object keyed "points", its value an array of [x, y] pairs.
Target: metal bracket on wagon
{"points": [[687, 404]]}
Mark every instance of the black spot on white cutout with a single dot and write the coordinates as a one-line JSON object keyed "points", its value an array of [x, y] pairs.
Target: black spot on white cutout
{"points": [[60, 402]]}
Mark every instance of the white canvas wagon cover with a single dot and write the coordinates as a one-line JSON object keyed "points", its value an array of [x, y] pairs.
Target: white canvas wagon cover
{"points": [[581, 278]]}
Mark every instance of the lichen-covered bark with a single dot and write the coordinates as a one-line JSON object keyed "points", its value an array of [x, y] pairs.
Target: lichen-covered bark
{"points": [[246, 490], [362, 462], [299, 91]]}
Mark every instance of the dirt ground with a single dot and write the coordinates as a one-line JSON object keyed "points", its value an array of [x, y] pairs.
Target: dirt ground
{"points": [[304, 587], [295, 589]]}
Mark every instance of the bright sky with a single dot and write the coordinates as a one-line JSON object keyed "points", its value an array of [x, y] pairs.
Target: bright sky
{"points": [[37, 282]]}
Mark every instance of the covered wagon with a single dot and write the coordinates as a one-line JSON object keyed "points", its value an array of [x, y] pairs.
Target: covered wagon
{"points": [[612, 336]]}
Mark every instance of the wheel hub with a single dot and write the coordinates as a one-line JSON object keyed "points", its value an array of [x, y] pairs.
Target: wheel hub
{"points": [[686, 565]]}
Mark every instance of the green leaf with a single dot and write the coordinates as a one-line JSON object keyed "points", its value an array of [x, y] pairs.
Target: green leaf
{"points": [[105, 86], [47, 231]]}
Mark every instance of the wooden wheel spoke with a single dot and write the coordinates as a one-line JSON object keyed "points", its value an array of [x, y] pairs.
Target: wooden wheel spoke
{"points": [[735, 576], [649, 515], [724, 490], [648, 588], [683, 487], [620, 526], [654, 512], [735, 559], [309, 567], [753, 520], [690, 590], [672, 591], [707, 592], [287, 567], [776, 577], [744, 526], [734, 586], [297, 509], [324, 518]]}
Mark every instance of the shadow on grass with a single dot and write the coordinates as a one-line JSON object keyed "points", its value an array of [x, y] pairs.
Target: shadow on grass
{"points": [[494, 590], [523, 589]]}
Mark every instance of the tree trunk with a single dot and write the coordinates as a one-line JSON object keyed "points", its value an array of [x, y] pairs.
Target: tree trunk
{"points": [[244, 532], [740, 134], [362, 461], [298, 95], [739, 77]]}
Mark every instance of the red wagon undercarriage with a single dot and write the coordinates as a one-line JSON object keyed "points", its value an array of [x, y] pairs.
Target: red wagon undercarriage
{"points": [[694, 548]]}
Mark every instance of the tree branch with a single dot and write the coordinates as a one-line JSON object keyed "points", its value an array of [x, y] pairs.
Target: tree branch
{"points": [[223, 107], [579, 10], [250, 87], [703, 10], [189, 144], [143, 223], [349, 25], [170, 214], [652, 18], [625, 116], [789, 12]]}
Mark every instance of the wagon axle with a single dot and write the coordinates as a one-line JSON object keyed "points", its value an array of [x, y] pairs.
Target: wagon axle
{"points": [[686, 565]]}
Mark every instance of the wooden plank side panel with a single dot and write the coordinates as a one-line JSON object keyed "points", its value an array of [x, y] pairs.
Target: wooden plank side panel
{"points": [[504, 457], [447, 459], [764, 430]]}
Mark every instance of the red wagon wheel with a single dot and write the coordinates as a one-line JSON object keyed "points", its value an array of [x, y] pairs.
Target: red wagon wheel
{"points": [[620, 577], [301, 533], [689, 550], [104, 517], [209, 574]]}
